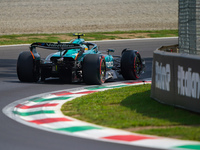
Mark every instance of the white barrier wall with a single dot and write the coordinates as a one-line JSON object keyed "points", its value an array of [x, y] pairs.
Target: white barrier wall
{"points": [[189, 26]]}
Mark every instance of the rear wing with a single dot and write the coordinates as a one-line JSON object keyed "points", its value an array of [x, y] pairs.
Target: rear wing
{"points": [[55, 46], [60, 47]]}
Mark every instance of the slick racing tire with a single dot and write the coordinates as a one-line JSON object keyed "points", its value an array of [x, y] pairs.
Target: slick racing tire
{"points": [[94, 69], [131, 65], [27, 68]]}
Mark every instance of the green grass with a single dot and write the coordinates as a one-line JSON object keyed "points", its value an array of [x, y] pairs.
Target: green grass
{"points": [[132, 109], [30, 38], [66, 37], [164, 33]]}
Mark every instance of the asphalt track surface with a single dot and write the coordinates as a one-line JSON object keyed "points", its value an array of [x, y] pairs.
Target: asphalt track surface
{"points": [[14, 135]]}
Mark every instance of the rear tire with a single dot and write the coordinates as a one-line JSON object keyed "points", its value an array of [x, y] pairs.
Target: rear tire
{"points": [[27, 68], [94, 69], [131, 65]]}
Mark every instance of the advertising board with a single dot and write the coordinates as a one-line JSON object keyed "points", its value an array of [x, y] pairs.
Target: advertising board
{"points": [[176, 80]]}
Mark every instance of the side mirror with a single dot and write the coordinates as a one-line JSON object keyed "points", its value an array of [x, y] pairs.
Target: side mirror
{"points": [[110, 50]]}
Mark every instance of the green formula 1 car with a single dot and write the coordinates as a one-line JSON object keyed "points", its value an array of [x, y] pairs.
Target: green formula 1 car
{"points": [[78, 61]]}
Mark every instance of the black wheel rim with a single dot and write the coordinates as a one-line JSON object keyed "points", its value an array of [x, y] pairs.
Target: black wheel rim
{"points": [[137, 66], [102, 70]]}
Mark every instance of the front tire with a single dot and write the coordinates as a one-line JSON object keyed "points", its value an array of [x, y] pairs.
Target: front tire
{"points": [[27, 68], [131, 65], [94, 69]]}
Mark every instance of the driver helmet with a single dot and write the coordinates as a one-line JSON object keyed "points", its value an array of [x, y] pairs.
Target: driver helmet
{"points": [[86, 48]]}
